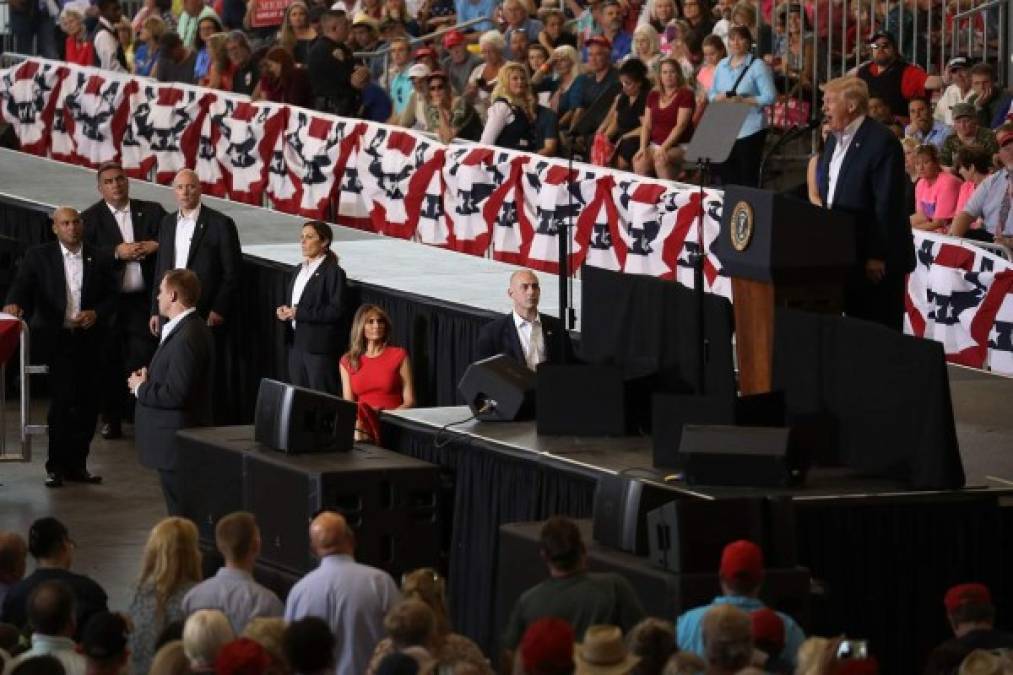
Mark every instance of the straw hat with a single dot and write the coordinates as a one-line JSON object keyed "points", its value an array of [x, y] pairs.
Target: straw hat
{"points": [[603, 652]]}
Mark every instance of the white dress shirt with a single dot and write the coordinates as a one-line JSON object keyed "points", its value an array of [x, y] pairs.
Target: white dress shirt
{"points": [[133, 279], [171, 324], [73, 272], [306, 272], [106, 46], [185, 226], [844, 139], [532, 340]]}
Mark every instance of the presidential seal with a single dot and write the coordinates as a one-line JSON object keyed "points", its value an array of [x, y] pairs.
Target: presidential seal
{"points": [[741, 230]]}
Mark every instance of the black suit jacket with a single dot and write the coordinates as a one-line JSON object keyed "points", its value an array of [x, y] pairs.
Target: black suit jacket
{"points": [[40, 289], [215, 258], [177, 394], [89, 597], [318, 316], [871, 185], [499, 336], [101, 231]]}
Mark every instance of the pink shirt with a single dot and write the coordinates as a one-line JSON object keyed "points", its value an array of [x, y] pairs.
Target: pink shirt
{"points": [[966, 190], [938, 199]]}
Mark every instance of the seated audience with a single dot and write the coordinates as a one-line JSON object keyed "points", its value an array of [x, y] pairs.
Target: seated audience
{"points": [[515, 120], [397, 79], [700, 23], [205, 632], [966, 133], [795, 63], [125, 35], [297, 34], [646, 48], [374, 373], [365, 37], [935, 193], [562, 70], [146, 53], [170, 566], [350, 597], [653, 642], [909, 146], [518, 21], [622, 125], [547, 648], [77, 47], [233, 590], [450, 116], [971, 615], [925, 128], [310, 646], [959, 91], [104, 644], [591, 91], [222, 69], [282, 81], [667, 124], [895, 87], [741, 576], [988, 98], [990, 201], [603, 652], [206, 27], [50, 544], [372, 102], [571, 592], [744, 14], [245, 69], [555, 33], [537, 63], [414, 114], [189, 18], [51, 617], [660, 14], [243, 656], [880, 111], [170, 659], [13, 554], [484, 77], [459, 63], [175, 62], [160, 8], [973, 166]]}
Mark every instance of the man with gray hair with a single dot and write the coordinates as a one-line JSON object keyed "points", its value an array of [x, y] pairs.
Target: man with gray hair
{"points": [[351, 597]]}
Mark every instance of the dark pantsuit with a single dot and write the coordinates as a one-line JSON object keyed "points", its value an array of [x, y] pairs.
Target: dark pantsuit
{"points": [[314, 371], [73, 405], [743, 164], [882, 303], [129, 346], [169, 481]]}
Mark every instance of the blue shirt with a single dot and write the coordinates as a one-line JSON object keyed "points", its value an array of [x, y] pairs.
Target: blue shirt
{"points": [[757, 82], [468, 10], [376, 105], [144, 60], [236, 595], [401, 88], [689, 627], [986, 203], [934, 136]]}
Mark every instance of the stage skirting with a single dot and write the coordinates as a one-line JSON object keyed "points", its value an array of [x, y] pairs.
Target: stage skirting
{"points": [[883, 560]]}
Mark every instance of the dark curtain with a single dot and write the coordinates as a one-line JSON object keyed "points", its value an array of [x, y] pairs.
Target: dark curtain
{"points": [[490, 487], [21, 225]]}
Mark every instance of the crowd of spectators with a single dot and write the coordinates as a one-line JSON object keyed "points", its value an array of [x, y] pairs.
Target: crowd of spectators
{"points": [[349, 618]]}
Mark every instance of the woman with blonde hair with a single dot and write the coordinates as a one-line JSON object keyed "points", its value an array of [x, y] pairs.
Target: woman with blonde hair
{"points": [[425, 585], [78, 49], [566, 65], [668, 122], [297, 33], [647, 48], [222, 69], [171, 566], [482, 80], [515, 119], [374, 373], [146, 53]]}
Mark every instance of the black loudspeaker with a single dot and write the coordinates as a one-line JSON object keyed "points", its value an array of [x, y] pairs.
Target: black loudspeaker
{"points": [[671, 412], [499, 389], [590, 400], [740, 456], [211, 484], [390, 501], [687, 536], [296, 420], [620, 511]]}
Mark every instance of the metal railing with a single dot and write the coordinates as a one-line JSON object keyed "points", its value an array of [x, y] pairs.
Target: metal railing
{"points": [[27, 429]]}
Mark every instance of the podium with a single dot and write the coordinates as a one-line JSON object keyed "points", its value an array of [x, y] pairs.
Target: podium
{"points": [[779, 252]]}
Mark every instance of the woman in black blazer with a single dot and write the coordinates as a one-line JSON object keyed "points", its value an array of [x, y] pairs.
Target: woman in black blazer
{"points": [[316, 292]]}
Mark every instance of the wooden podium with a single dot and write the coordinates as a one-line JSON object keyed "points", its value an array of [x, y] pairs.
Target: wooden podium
{"points": [[779, 252]]}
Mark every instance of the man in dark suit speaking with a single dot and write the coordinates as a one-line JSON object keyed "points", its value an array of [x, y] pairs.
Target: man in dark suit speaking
{"points": [[174, 392], [525, 334], [861, 171]]}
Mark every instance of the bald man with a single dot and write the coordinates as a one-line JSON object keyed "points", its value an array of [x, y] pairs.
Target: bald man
{"points": [[67, 289], [525, 335], [352, 598]]}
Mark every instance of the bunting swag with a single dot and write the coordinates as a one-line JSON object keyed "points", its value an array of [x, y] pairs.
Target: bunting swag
{"points": [[960, 295], [28, 94], [465, 197]]}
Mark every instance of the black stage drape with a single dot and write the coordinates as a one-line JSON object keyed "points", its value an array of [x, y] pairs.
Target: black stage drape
{"points": [[490, 488]]}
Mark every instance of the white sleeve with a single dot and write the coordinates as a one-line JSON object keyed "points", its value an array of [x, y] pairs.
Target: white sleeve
{"points": [[105, 49], [499, 116]]}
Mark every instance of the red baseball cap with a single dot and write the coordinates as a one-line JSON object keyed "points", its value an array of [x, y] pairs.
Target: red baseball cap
{"points": [[1004, 137], [423, 52], [599, 40], [452, 39], [768, 629], [742, 559], [547, 647], [966, 593]]}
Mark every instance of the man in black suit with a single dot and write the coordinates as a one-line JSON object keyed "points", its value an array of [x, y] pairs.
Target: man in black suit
{"points": [[525, 334], [67, 289], [174, 392], [127, 230], [862, 173], [206, 241]]}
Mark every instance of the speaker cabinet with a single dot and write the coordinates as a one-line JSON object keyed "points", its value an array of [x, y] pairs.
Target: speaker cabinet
{"points": [[590, 400], [685, 536], [296, 420], [211, 485], [388, 499], [620, 511], [499, 389], [740, 456]]}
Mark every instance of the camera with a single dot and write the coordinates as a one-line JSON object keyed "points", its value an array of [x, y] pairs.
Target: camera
{"points": [[853, 649]]}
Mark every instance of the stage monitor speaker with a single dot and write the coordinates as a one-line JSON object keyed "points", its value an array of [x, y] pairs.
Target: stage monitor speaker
{"points": [[740, 456], [211, 485], [586, 400], [499, 389], [295, 420], [389, 500], [620, 511], [688, 536]]}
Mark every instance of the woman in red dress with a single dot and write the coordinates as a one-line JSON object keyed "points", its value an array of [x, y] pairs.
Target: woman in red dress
{"points": [[375, 374]]}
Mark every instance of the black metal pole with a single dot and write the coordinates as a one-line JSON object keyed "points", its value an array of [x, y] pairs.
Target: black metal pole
{"points": [[703, 167], [563, 236]]}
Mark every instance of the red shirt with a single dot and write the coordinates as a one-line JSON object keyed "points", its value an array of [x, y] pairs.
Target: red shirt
{"points": [[912, 80], [377, 382], [663, 120], [79, 53]]}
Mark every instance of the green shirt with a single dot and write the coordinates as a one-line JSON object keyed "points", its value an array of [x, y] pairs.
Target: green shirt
{"points": [[984, 139]]}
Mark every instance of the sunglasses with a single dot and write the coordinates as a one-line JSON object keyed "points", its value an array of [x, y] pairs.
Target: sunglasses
{"points": [[880, 45]]}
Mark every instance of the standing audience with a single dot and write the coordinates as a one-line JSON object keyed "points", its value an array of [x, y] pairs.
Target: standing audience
{"points": [[52, 616], [205, 632]]}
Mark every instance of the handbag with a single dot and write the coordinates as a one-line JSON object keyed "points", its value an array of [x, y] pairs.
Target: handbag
{"points": [[789, 112], [602, 150]]}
